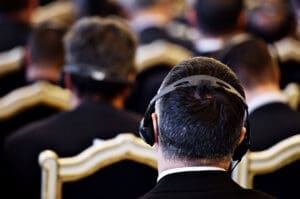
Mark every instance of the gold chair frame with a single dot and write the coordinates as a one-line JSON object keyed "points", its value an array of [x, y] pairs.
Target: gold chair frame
{"points": [[56, 170], [266, 161]]}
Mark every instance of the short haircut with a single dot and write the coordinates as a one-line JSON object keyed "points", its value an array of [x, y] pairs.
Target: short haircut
{"points": [[46, 44], [102, 8], [106, 44], [218, 16], [272, 21], [13, 6], [144, 3], [200, 122], [252, 62]]}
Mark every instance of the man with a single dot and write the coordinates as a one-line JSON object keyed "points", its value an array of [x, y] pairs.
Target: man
{"points": [[271, 118], [275, 22], [15, 16], [45, 52], [198, 126], [100, 58], [153, 20], [219, 23]]}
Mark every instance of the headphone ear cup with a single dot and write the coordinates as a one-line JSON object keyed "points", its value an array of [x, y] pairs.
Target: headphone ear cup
{"points": [[146, 130]]}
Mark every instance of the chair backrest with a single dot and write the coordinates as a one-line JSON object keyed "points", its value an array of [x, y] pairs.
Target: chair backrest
{"points": [[267, 161], [38, 93], [56, 170], [31, 103], [11, 60], [292, 93], [153, 62]]}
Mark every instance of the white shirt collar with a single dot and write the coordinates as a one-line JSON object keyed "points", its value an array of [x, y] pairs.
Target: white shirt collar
{"points": [[187, 169], [209, 44], [265, 98]]}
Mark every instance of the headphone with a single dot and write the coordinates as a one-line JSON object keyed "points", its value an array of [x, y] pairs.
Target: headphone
{"points": [[95, 73], [146, 127]]}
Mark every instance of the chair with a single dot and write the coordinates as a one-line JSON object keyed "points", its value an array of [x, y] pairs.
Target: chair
{"points": [[292, 93], [57, 170], [31, 103], [12, 70], [267, 161], [153, 62]]}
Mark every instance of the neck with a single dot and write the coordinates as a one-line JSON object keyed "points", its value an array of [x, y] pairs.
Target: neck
{"points": [[166, 164], [117, 102], [260, 90], [43, 72]]}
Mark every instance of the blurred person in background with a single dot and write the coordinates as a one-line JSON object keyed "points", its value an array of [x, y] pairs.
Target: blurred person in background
{"points": [[102, 8], [99, 71], [46, 55], [152, 21], [275, 22], [271, 118], [15, 18], [220, 23]]}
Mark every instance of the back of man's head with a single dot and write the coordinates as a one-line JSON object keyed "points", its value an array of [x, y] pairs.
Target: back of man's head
{"points": [[100, 55], [103, 8], [218, 17], [45, 45], [252, 62], [203, 121], [144, 3], [272, 21]]}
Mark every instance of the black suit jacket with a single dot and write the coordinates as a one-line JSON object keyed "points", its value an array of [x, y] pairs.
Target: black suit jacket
{"points": [[201, 184], [155, 33], [68, 134], [270, 124]]}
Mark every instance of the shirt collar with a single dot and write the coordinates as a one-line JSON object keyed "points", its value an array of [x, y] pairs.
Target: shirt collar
{"points": [[187, 169], [265, 98]]}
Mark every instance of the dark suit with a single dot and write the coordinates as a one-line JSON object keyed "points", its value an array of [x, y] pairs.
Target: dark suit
{"points": [[201, 184], [270, 124], [155, 33], [12, 34], [68, 134]]}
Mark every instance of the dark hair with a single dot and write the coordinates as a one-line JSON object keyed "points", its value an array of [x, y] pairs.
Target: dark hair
{"points": [[272, 21], [12, 6], [200, 122], [144, 3], [218, 16], [252, 62], [101, 8], [106, 44], [46, 44]]}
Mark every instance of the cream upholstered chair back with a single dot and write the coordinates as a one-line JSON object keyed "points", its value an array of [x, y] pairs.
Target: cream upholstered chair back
{"points": [[56, 170], [267, 161]]}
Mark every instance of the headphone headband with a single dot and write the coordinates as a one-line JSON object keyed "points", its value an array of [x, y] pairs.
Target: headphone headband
{"points": [[146, 128], [93, 72], [194, 80]]}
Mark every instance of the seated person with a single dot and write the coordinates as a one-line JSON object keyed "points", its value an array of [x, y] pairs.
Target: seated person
{"points": [[270, 116], [15, 16], [197, 123], [99, 76]]}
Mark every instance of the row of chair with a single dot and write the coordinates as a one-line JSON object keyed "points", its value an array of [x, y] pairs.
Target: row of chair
{"points": [[57, 170]]}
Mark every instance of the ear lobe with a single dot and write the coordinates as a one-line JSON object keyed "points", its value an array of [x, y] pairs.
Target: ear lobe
{"points": [[154, 117]]}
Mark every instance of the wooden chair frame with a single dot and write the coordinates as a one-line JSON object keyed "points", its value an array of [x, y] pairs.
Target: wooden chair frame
{"points": [[56, 170], [266, 161]]}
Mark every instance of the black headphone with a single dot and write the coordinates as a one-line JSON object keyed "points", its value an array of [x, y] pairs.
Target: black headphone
{"points": [[95, 73], [146, 127]]}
